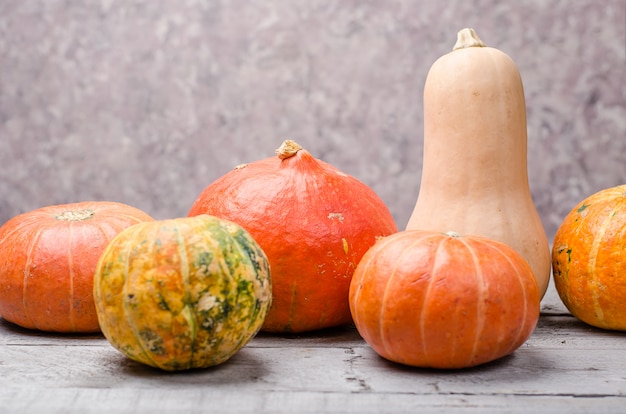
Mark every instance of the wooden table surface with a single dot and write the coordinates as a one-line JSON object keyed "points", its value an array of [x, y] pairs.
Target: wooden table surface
{"points": [[565, 367]]}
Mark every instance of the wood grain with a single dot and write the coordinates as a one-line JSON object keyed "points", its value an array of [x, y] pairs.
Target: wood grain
{"points": [[565, 366]]}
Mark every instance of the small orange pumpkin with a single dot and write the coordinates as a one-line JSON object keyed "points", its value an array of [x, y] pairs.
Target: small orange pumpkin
{"points": [[313, 221], [589, 261], [48, 258], [436, 300]]}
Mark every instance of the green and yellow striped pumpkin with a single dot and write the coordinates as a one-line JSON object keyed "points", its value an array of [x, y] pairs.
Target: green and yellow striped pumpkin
{"points": [[182, 293]]}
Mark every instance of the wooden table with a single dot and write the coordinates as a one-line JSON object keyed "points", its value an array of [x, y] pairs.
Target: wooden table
{"points": [[565, 367]]}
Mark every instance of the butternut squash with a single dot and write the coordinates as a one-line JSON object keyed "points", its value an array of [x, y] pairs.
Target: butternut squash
{"points": [[474, 174]]}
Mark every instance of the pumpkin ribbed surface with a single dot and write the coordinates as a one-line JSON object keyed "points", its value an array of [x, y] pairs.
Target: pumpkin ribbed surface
{"points": [[182, 293], [48, 257], [430, 299], [588, 259], [313, 221]]}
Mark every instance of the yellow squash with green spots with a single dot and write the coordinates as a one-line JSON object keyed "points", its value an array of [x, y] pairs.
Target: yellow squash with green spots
{"points": [[182, 293]]}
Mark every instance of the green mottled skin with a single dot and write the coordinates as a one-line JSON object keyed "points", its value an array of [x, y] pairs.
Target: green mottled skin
{"points": [[182, 293]]}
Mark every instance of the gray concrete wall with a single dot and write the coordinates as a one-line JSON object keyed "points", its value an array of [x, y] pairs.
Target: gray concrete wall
{"points": [[147, 102]]}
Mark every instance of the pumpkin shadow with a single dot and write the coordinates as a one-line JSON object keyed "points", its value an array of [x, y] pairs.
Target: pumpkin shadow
{"points": [[248, 365], [524, 367], [335, 336], [244, 366], [485, 367], [10, 327]]}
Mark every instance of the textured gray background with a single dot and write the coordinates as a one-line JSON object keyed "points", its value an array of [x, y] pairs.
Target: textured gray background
{"points": [[147, 102]]}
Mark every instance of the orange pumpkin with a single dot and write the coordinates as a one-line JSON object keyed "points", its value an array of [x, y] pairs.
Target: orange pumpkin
{"points": [[429, 299], [589, 261], [313, 221], [48, 258]]}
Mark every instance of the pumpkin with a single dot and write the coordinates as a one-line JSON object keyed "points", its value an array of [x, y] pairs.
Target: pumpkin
{"points": [[440, 300], [182, 293], [588, 259], [474, 176], [313, 221], [48, 257]]}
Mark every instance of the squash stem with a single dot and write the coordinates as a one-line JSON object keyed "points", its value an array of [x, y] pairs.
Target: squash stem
{"points": [[288, 149], [467, 38], [75, 215]]}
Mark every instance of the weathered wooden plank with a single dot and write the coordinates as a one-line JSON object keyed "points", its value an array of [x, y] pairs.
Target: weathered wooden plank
{"points": [[567, 332], [565, 366], [259, 368], [530, 370], [208, 400]]}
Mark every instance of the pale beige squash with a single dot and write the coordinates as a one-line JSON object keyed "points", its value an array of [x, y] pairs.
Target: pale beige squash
{"points": [[475, 176]]}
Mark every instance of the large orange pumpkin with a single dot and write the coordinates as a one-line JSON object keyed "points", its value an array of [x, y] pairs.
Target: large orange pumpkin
{"points": [[589, 260], [48, 257], [313, 221], [429, 299]]}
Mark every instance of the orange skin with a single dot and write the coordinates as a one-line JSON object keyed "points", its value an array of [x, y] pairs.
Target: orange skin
{"points": [[429, 299], [313, 222], [48, 257], [588, 259]]}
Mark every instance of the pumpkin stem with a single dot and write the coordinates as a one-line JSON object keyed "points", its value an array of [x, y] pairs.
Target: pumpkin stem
{"points": [[467, 38], [288, 149], [453, 234], [75, 215]]}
